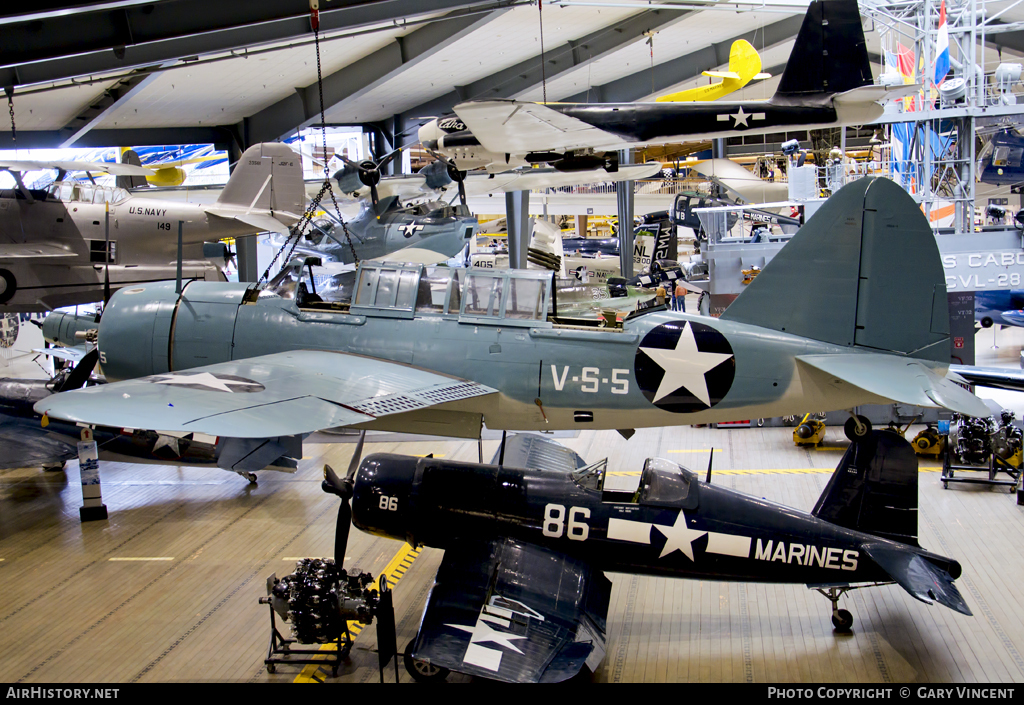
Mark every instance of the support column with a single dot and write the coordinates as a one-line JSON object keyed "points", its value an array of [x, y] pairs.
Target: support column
{"points": [[517, 214], [246, 256], [624, 201]]}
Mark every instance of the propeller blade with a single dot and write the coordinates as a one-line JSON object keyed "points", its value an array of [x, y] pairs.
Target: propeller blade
{"points": [[341, 533], [387, 158], [356, 457], [80, 375], [462, 188], [374, 198]]}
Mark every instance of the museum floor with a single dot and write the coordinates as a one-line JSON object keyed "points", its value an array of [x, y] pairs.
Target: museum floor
{"points": [[167, 588]]}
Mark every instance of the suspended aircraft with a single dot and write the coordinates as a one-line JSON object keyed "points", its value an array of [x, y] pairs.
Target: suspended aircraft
{"points": [[827, 83], [744, 67], [409, 218], [1004, 307], [1000, 161], [67, 244], [521, 594], [443, 351]]}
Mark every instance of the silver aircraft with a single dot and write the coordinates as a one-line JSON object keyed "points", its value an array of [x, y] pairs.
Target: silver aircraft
{"points": [[445, 351], [65, 244]]}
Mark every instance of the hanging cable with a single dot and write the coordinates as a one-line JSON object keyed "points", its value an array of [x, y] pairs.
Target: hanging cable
{"points": [[9, 90], [543, 69], [295, 232]]}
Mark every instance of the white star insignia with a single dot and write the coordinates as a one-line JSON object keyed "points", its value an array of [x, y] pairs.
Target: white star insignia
{"points": [[205, 379], [483, 632], [740, 118], [678, 537], [685, 366]]}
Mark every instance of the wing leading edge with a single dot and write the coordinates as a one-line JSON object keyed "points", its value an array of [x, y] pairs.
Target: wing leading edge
{"points": [[284, 394], [514, 612]]}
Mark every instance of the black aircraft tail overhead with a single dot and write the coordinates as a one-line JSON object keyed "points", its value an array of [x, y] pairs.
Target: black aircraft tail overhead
{"points": [[830, 55], [845, 278]]}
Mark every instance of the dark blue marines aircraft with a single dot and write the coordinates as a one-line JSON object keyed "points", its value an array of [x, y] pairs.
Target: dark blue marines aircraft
{"points": [[521, 594]]}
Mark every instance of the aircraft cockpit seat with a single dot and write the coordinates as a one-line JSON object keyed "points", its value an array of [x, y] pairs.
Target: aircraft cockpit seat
{"points": [[303, 298]]}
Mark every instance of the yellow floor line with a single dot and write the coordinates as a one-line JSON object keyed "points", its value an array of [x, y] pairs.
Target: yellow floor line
{"points": [[394, 570], [143, 558]]}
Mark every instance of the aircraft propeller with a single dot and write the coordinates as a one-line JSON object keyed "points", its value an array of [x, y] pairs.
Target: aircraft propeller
{"points": [[343, 488], [369, 172], [459, 177]]}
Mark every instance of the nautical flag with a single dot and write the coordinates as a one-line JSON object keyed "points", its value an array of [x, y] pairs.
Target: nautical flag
{"points": [[942, 47]]}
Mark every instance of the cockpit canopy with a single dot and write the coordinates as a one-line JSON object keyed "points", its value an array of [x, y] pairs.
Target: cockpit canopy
{"points": [[662, 483], [73, 191]]}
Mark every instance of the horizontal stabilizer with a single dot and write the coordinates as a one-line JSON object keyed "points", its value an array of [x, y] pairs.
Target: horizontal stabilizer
{"points": [[266, 222], [899, 379], [918, 576], [877, 94], [722, 74]]}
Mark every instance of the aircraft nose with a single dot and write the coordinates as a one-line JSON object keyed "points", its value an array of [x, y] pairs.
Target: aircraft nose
{"points": [[381, 494]]}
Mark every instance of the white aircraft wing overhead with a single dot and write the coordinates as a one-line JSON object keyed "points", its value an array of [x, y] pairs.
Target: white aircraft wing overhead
{"points": [[743, 183], [508, 126], [904, 380], [106, 167], [478, 183], [32, 250], [282, 394], [414, 255]]}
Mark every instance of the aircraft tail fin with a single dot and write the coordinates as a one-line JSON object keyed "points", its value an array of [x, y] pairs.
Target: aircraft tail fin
{"points": [[874, 489], [744, 60], [130, 156], [830, 55], [838, 278], [268, 177]]}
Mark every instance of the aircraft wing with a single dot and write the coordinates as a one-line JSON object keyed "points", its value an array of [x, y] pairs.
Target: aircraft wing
{"points": [[905, 380], [283, 394], [478, 183], [516, 127], [414, 255], [25, 446], [107, 167], [32, 250], [915, 574], [528, 450], [514, 612]]}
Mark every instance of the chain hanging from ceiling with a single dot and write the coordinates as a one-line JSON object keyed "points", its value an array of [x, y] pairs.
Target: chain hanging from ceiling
{"points": [[296, 231]]}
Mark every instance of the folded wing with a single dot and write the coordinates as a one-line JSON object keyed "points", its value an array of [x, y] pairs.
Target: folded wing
{"points": [[514, 612]]}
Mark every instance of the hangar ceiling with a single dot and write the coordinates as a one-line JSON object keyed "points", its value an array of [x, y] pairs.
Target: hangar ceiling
{"points": [[125, 72]]}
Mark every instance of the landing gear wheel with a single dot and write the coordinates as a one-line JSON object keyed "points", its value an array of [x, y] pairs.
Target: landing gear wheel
{"points": [[422, 671], [857, 428], [251, 477], [271, 668], [8, 285], [842, 620]]}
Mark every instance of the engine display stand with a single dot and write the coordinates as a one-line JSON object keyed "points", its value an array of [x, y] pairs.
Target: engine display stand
{"points": [[282, 651], [995, 466]]}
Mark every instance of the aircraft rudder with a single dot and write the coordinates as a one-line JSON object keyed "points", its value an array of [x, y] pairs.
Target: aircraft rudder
{"points": [[830, 54], [268, 176]]}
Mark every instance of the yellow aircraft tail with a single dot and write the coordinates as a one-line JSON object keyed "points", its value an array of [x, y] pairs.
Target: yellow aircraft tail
{"points": [[744, 67]]}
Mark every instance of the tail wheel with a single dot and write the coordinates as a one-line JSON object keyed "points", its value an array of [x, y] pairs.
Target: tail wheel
{"points": [[842, 620], [423, 671], [986, 322], [857, 428], [8, 285]]}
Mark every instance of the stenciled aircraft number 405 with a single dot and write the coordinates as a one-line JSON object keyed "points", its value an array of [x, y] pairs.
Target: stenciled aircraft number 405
{"points": [[591, 379]]}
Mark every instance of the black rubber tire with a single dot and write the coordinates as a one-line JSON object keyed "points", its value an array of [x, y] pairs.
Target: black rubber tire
{"points": [[842, 620], [271, 668], [421, 671], [10, 286], [850, 428], [986, 322]]}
